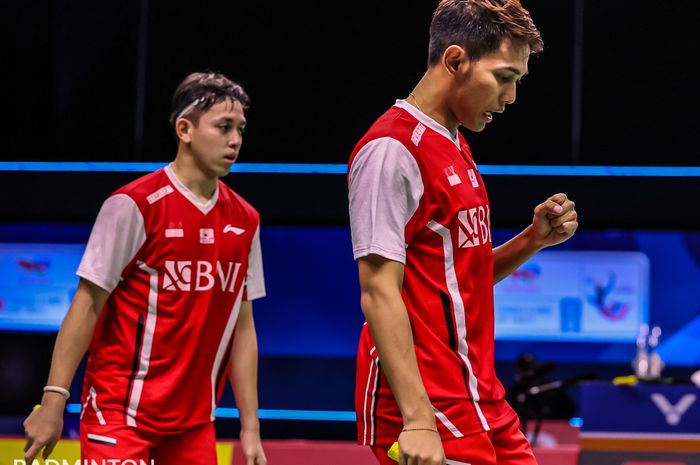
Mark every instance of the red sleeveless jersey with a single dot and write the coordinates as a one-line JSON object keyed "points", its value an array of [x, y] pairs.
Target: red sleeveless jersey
{"points": [[416, 196]]}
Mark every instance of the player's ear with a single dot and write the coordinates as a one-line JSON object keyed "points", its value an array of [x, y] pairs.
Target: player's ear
{"points": [[183, 128], [453, 57]]}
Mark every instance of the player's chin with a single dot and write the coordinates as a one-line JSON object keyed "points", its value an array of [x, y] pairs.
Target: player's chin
{"points": [[475, 126], [222, 170]]}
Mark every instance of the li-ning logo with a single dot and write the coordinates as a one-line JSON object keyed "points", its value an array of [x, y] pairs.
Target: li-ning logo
{"points": [[673, 413], [185, 275], [474, 227], [233, 229]]}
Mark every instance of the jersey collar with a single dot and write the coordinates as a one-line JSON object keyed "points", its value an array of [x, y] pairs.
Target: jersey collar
{"points": [[204, 207], [428, 121]]}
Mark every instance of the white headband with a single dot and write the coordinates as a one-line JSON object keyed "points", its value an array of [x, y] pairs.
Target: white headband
{"points": [[188, 108]]}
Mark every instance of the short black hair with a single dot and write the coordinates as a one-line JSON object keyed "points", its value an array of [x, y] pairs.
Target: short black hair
{"points": [[479, 26], [198, 92]]}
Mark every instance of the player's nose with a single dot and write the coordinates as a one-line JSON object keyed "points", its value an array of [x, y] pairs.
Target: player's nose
{"points": [[508, 96], [235, 140]]}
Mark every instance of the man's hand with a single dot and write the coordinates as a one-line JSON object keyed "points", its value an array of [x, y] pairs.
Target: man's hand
{"points": [[251, 446], [554, 221], [43, 427], [420, 447]]}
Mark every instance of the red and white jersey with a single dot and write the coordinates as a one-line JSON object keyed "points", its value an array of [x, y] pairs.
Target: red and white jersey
{"points": [[417, 197], [177, 270]]}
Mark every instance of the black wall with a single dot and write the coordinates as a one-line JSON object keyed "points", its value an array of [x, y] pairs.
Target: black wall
{"points": [[320, 73], [611, 202]]}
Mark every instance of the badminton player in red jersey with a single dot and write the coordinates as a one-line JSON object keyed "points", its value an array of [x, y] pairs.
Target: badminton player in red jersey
{"points": [[421, 235], [164, 302]]}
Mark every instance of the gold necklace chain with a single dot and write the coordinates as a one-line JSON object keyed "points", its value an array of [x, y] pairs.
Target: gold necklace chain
{"points": [[415, 100]]}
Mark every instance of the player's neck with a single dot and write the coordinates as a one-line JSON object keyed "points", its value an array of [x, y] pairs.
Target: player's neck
{"points": [[187, 172], [429, 97]]}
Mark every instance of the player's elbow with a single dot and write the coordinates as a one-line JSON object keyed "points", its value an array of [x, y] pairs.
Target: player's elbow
{"points": [[367, 303], [378, 298]]}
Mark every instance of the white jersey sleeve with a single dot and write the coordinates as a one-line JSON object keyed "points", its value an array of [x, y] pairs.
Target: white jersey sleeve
{"points": [[116, 237], [255, 281], [385, 189]]}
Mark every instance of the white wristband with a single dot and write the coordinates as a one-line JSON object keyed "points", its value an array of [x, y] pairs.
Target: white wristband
{"points": [[58, 389]]}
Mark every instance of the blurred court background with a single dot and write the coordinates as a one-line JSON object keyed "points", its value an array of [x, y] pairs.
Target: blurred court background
{"points": [[607, 114]]}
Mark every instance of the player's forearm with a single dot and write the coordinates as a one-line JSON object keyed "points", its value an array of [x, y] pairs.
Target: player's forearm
{"points": [[74, 336], [390, 327], [509, 256], [243, 369]]}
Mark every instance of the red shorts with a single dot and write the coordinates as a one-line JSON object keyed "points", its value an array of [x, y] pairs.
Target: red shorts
{"points": [[502, 446], [195, 446]]}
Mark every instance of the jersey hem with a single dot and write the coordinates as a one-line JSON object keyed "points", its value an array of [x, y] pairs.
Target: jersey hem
{"points": [[96, 280], [142, 427], [255, 296], [361, 252]]}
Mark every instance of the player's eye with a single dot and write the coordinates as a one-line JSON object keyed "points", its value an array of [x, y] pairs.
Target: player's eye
{"points": [[224, 127]]}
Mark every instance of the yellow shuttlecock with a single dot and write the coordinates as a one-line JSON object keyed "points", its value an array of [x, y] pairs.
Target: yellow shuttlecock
{"points": [[625, 380], [393, 452]]}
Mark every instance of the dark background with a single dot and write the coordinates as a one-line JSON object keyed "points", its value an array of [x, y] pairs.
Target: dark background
{"points": [[92, 81]]}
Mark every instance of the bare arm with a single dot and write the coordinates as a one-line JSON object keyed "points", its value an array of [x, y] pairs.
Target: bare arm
{"points": [[509, 256], [243, 372], [43, 426], [555, 220], [387, 318]]}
